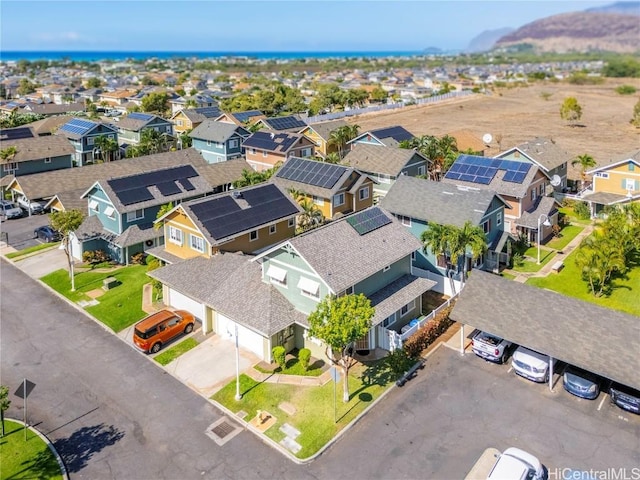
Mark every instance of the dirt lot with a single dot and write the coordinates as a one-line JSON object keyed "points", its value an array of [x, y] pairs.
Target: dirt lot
{"points": [[520, 114]]}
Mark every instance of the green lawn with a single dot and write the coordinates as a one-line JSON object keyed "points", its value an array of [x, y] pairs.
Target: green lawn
{"points": [[507, 275], [294, 367], [170, 354], [530, 266], [314, 416], [119, 307], [571, 216], [20, 459], [567, 234], [35, 248], [568, 281]]}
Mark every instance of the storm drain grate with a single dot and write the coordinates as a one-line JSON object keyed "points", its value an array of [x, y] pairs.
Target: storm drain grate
{"points": [[222, 431]]}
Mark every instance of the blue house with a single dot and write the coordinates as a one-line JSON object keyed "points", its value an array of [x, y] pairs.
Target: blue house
{"points": [[130, 128], [383, 137], [83, 134], [218, 141], [416, 202], [122, 210]]}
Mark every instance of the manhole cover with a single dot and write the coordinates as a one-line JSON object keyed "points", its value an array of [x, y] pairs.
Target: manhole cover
{"points": [[222, 431]]}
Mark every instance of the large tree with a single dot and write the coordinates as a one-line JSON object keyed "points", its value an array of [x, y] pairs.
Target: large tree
{"points": [[108, 146], [155, 102], [597, 258], [570, 110], [66, 222], [339, 322]]}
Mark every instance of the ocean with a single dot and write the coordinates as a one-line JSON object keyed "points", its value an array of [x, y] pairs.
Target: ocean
{"points": [[90, 56]]}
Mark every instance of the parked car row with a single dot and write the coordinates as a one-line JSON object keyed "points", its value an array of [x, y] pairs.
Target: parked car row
{"points": [[30, 206], [46, 233], [10, 209], [534, 366]]}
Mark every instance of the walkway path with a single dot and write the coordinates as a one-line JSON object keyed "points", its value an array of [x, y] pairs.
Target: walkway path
{"points": [[289, 379]]}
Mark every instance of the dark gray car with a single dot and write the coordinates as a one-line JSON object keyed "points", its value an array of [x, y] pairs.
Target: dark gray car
{"points": [[581, 383]]}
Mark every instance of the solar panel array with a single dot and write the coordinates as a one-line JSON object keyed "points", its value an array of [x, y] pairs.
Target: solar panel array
{"points": [[368, 220], [78, 126], [140, 116], [209, 112], [17, 133], [311, 172], [285, 123], [264, 141], [397, 133], [223, 216], [135, 189], [475, 169], [246, 116]]}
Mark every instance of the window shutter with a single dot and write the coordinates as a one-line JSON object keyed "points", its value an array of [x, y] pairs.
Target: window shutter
{"points": [[624, 183], [637, 185]]}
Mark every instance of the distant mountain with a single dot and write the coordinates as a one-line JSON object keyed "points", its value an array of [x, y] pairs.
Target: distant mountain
{"points": [[625, 8], [487, 39], [578, 32]]}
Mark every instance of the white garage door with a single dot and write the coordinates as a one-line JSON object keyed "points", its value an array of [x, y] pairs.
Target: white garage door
{"points": [[248, 339], [179, 301]]}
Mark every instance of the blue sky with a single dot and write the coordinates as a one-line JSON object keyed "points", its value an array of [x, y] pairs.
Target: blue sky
{"points": [[266, 25]]}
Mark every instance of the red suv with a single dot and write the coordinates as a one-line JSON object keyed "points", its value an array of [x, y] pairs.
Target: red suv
{"points": [[152, 332]]}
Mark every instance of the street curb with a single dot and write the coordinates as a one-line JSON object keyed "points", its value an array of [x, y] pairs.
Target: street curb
{"points": [[46, 440]]}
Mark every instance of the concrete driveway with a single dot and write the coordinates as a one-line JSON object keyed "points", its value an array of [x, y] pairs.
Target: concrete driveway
{"points": [[42, 263]]}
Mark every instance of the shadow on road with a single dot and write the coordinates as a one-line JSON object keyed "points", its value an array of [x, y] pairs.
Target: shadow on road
{"points": [[77, 449]]}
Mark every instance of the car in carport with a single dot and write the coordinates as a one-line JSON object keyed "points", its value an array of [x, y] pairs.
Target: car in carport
{"points": [[625, 397], [581, 383]]}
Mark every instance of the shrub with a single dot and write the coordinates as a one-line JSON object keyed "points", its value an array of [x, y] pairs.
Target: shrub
{"points": [[428, 333], [304, 356], [556, 230], [626, 90], [94, 257], [582, 211], [399, 361], [138, 258], [279, 355], [517, 259]]}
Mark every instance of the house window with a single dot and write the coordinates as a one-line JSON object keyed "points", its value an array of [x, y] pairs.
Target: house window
{"points": [[94, 206], [486, 226], [110, 212], [413, 256], [382, 178], [208, 143], [253, 151], [318, 200], [387, 268], [338, 199], [197, 243], [180, 123], [421, 170], [409, 306], [277, 275], [47, 160], [264, 153], [541, 192], [309, 288], [499, 218], [632, 166], [306, 152], [272, 229], [533, 194], [561, 167], [363, 193], [135, 215], [253, 236], [349, 291], [233, 143], [11, 167], [390, 320], [175, 235], [630, 184], [406, 221], [292, 222], [90, 140]]}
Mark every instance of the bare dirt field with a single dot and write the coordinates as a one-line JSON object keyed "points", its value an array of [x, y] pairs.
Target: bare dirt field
{"points": [[520, 114]]}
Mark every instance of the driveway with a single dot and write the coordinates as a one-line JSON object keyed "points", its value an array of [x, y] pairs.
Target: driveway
{"points": [[43, 263]]}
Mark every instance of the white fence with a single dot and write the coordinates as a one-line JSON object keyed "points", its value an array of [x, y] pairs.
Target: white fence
{"points": [[443, 284]]}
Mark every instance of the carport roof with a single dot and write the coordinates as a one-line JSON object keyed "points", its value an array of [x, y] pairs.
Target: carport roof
{"points": [[595, 338]]}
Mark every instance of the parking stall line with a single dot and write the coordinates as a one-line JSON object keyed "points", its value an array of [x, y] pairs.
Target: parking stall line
{"points": [[604, 397]]}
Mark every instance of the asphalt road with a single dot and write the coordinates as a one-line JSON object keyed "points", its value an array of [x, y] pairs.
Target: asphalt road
{"points": [[20, 230], [113, 414]]}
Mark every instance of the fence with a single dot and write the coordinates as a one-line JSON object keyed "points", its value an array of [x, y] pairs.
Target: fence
{"points": [[387, 106]]}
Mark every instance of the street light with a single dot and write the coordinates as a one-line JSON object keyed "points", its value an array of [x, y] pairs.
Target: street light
{"points": [[546, 223], [238, 395]]}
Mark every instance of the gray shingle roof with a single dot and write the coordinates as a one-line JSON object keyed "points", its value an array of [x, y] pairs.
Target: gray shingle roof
{"points": [[223, 173], [37, 148], [91, 227], [225, 282], [545, 152], [218, 132], [324, 129], [437, 202], [397, 294], [343, 258], [135, 124], [595, 338], [545, 205], [378, 159]]}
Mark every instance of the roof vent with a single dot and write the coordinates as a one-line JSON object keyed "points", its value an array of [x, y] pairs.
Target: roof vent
{"points": [[236, 194], [272, 135]]}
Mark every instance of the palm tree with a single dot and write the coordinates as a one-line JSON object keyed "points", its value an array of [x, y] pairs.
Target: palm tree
{"points": [[437, 239], [311, 216], [332, 157], [7, 154], [468, 239], [586, 162], [341, 135], [107, 146]]}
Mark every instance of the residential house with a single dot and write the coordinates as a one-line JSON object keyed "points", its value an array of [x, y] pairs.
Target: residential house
{"points": [[416, 202], [248, 117], [290, 123], [386, 164], [334, 189], [382, 137], [368, 252], [546, 155], [130, 127], [218, 141], [614, 183], [519, 182], [263, 150], [52, 109], [49, 125], [115, 98], [122, 210], [320, 135], [247, 220], [83, 134], [198, 100], [187, 119]]}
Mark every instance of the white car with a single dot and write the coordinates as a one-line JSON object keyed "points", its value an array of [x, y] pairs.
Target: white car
{"points": [[516, 464], [30, 207], [10, 210]]}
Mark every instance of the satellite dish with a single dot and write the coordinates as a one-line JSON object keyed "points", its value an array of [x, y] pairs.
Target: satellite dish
{"points": [[555, 180], [486, 138]]}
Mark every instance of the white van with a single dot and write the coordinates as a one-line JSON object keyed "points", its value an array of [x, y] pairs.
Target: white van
{"points": [[531, 364], [516, 464]]}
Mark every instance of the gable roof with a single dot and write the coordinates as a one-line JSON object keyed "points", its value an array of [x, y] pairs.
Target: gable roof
{"points": [[388, 136], [437, 202], [544, 206], [137, 121], [542, 151], [342, 257], [224, 173], [48, 125], [225, 216], [37, 148], [378, 159], [565, 328], [240, 118], [324, 129], [633, 157], [280, 142], [219, 132], [225, 282], [198, 115], [76, 128]]}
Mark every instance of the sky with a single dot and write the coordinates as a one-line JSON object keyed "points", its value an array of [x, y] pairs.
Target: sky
{"points": [[262, 26]]}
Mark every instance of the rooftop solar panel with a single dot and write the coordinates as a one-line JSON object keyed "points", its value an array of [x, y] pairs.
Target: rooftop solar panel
{"points": [[368, 220], [186, 184], [476, 169], [397, 133], [17, 133], [246, 116], [140, 116], [168, 188], [135, 195], [78, 126], [285, 123], [311, 172]]}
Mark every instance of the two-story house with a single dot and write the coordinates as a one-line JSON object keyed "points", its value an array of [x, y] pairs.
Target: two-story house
{"points": [[334, 189], [290, 123], [368, 252], [187, 119], [130, 127], [83, 134], [416, 202], [218, 141], [248, 117], [614, 183], [122, 210], [320, 135], [386, 164], [263, 149], [198, 100], [546, 155], [382, 137], [520, 183]]}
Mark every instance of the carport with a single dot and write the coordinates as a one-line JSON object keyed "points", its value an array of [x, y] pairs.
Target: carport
{"points": [[597, 339]]}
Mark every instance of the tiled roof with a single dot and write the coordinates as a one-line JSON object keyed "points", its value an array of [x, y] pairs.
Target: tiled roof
{"points": [[219, 132], [437, 202], [223, 173], [308, 189], [595, 338], [378, 159], [343, 258], [49, 124]]}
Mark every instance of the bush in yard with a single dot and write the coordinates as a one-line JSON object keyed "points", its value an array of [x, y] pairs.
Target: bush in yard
{"points": [[399, 361], [304, 356], [94, 257], [581, 209], [279, 355], [428, 333], [517, 259], [138, 258]]}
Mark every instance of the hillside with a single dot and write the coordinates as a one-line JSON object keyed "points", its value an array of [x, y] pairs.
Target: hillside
{"points": [[578, 32]]}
